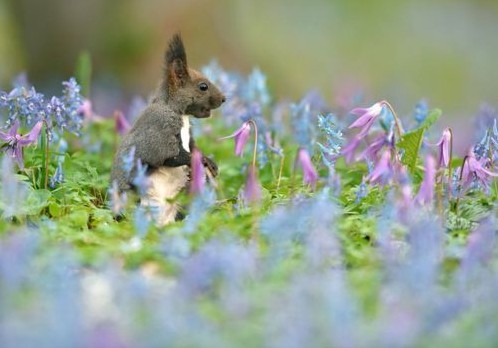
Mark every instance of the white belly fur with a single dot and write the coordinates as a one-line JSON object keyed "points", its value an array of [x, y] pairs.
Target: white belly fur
{"points": [[185, 133]]}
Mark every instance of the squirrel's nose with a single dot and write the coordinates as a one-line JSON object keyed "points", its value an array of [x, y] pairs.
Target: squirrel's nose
{"points": [[223, 99]]}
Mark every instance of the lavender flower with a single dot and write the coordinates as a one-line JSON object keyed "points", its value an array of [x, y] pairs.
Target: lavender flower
{"points": [[474, 170], [128, 161], [141, 179], [361, 191], [444, 145], [252, 189], [15, 142], [198, 179], [303, 124], [13, 191], [29, 107], [383, 170], [122, 126], [421, 111], [333, 139], [241, 137], [118, 199], [26, 106], [58, 176], [86, 110], [494, 140], [310, 176], [367, 117], [484, 119], [349, 150], [426, 193], [72, 100], [246, 100], [372, 150], [199, 208]]}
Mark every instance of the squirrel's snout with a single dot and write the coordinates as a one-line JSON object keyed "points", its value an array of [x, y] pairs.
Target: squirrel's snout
{"points": [[223, 99]]}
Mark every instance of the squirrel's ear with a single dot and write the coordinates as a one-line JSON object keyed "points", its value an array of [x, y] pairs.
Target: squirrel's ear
{"points": [[176, 62]]}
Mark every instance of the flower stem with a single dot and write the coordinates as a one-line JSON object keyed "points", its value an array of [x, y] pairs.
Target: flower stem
{"points": [[450, 168], [397, 122], [255, 150], [46, 155], [280, 171], [460, 183]]}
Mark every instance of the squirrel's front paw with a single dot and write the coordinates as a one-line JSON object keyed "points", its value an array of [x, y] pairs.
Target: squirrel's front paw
{"points": [[210, 165]]}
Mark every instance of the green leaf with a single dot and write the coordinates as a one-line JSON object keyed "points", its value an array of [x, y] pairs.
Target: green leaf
{"points": [[83, 72], [55, 209], [431, 119], [36, 201], [411, 141]]}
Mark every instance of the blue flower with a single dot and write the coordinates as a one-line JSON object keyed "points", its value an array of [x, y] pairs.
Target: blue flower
{"points": [[303, 124], [58, 176], [141, 179], [128, 161], [331, 149], [421, 111]]}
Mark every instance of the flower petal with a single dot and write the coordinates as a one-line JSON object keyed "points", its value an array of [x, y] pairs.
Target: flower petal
{"points": [[32, 136]]}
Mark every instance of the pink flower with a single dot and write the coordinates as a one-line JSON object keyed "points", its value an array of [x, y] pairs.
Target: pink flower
{"points": [[349, 150], [475, 169], [252, 189], [374, 147], [444, 148], [367, 118], [122, 125], [14, 142], [86, 110], [426, 192], [198, 175], [383, 170], [241, 136], [309, 172]]}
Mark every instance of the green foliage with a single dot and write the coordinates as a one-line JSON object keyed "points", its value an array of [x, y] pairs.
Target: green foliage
{"points": [[410, 142]]}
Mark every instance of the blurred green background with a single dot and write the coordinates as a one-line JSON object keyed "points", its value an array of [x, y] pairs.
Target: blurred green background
{"points": [[446, 51]]}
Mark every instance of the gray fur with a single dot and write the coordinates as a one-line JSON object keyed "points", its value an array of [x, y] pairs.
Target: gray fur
{"points": [[155, 134]]}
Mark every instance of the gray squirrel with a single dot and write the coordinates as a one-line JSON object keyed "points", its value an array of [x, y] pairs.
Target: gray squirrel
{"points": [[161, 137]]}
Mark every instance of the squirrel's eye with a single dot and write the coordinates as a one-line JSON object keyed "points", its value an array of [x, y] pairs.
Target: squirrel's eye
{"points": [[203, 86]]}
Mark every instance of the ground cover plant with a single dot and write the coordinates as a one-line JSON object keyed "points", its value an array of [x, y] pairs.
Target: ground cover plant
{"points": [[349, 225]]}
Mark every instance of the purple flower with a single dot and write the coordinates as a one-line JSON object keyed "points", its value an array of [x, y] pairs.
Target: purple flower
{"points": [[118, 200], [383, 170], [241, 136], [122, 125], [309, 172], [15, 142], [374, 147], [349, 150], [444, 148], [252, 189], [474, 169], [426, 193], [367, 117], [58, 176], [141, 180], [198, 174]]}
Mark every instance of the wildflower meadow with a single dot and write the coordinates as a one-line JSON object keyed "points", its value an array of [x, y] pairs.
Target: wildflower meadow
{"points": [[348, 225]]}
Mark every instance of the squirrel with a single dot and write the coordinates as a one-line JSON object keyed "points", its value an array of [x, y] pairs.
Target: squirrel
{"points": [[161, 136]]}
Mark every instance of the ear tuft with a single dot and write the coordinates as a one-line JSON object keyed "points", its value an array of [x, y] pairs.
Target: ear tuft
{"points": [[176, 63], [176, 50]]}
